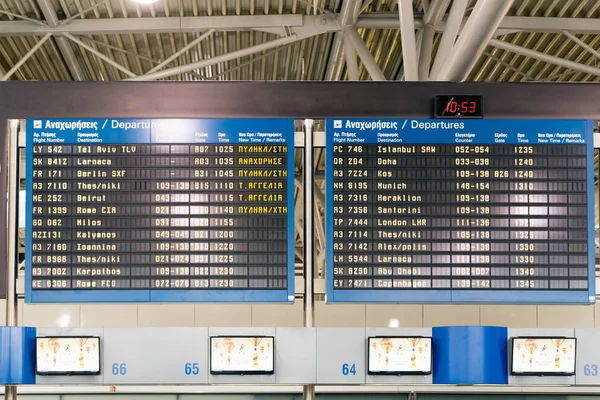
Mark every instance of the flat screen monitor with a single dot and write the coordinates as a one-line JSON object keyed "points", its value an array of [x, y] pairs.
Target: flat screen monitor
{"points": [[399, 355], [543, 355], [242, 355], [68, 355]]}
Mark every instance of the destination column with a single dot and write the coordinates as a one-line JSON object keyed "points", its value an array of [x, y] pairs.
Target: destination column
{"points": [[111, 208], [402, 213]]}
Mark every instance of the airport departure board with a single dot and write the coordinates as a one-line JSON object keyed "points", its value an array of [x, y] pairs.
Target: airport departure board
{"points": [[160, 210], [460, 211]]}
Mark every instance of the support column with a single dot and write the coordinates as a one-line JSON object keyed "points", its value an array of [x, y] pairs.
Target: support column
{"points": [[10, 391], [309, 237]]}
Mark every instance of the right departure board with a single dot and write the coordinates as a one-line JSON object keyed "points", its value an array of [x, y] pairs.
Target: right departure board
{"points": [[490, 211]]}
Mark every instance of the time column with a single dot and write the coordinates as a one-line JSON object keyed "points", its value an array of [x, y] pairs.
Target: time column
{"points": [[531, 209], [352, 214], [51, 205]]}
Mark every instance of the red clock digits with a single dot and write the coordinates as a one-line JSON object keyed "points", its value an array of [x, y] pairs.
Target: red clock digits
{"points": [[460, 106], [452, 107], [465, 107]]}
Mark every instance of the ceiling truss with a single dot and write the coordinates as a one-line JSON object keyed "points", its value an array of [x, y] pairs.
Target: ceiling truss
{"points": [[486, 20]]}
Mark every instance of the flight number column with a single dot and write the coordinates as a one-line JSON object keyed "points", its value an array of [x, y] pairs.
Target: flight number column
{"points": [[51, 225], [353, 216]]}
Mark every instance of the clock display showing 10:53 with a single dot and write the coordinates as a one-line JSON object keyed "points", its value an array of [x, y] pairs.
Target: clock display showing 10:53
{"points": [[464, 106]]}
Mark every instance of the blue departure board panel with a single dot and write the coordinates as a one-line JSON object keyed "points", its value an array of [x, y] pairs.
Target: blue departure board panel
{"points": [[160, 210], [435, 211]]}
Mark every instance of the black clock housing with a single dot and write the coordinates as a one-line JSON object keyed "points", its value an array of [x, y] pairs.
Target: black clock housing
{"points": [[461, 106]]}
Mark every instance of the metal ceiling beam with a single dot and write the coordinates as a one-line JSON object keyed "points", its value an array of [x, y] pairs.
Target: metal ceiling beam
{"points": [[582, 44], [389, 20], [64, 47], [347, 17], [457, 13], [218, 59], [351, 61], [180, 52], [407, 36], [110, 26], [318, 24], [101, 56], [474, 37], [26, 57], [587, 69], [545, 24], [270, 23], [364, 54], [433, 17]]}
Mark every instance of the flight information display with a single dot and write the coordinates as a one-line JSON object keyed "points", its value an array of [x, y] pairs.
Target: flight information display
{"points": [[160, 210], [460, 211]]}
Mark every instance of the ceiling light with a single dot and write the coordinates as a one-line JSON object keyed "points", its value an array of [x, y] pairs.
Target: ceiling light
{"points": [[63, 321], [144, 1]]}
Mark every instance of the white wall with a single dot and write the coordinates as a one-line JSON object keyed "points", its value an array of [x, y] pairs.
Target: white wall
{"points": [[332, 315]]}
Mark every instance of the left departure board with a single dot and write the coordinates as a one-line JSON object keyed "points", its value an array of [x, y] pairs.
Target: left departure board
{"points": [[160, 210]]}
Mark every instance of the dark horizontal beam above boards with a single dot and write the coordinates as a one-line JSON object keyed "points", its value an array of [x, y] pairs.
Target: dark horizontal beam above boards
{"points": [[289, 99], [277, 99]]}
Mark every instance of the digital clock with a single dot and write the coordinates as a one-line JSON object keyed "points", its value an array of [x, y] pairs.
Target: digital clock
{"points": [[463, 106]]}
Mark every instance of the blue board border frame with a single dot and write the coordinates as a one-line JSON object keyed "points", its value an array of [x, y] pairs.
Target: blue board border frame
{"points": [[460, 296], [165, 296]]}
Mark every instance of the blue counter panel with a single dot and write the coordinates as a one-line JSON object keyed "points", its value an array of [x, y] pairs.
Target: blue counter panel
{"points": [[469, 355], [17, 355], [160, 210], [460, 211]]}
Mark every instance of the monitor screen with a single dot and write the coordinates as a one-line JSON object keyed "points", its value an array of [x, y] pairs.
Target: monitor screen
{"points": [[543, 356], [399, 355], [68, 355], [242, 355]]}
